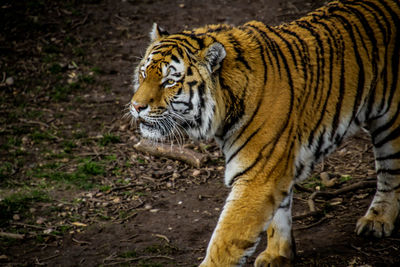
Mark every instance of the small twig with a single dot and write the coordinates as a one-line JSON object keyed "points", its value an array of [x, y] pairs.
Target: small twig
{"points": [[305, 215], [126, 260], [163, 237], [129, 239], [170, 151], [12, 235], [310, 202], [80, 23], [312, 225], [49, 258], [81, 242], [326, 194], [29, 225], [359, 249], [120, 188], [34, 122], [302, 188], [127, 218]]}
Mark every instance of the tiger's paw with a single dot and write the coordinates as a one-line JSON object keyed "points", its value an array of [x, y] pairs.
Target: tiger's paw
{"points": [[377, 226], [267, 260]]}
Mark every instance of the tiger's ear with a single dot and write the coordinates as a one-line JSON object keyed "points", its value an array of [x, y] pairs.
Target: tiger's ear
{"points": [[214, 56], [157, 32]]}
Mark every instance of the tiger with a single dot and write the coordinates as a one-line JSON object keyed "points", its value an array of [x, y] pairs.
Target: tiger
{"points": [[277, 100]]}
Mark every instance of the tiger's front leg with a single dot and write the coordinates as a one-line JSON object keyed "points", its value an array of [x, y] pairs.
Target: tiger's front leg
{"points": [[248, 211], [281, 247]]}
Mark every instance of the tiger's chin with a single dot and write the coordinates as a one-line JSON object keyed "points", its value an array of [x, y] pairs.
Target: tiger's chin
{"points": [[150, 131]]}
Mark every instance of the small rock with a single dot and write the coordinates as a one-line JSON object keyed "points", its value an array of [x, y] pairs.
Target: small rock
{"points": [[169, 184], [48, 231], [196, 173], [148, 207], [336, 201], [3, 257], [117, 200], [154, 210], [40, 220], [10, 81], [175, 175], [16, 217]]}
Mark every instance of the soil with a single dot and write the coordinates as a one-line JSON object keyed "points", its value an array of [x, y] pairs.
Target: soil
{"points": [[76, 192]]}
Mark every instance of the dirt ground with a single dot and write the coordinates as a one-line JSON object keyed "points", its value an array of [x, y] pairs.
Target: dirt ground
{"points": [[74, 191]]}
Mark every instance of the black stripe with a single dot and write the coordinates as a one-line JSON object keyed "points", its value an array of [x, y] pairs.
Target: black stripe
{"points": [[388, 124], [392, 136], [239, 51], [174, 58], [388, 190], [389, 171], [243, 144], [189, 71], [395, 57], [361, 73], [235, 108], [308, 27], [193, 37], [320, 77], [288, 44], [391, 156], [306, 70], [271, 47]]}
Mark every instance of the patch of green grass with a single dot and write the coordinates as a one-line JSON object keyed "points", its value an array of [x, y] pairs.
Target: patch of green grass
{"points": [[104, 188], [345, 178], [20, 203], [109, 138], [39, 136], [160, 249], [88, 79], [78, 51], [79, 134], [5, 169], [55, 68], [129, 254], [68, 146], [81, 177], [51, 49], [61, 92], [12, 141], [313, 182], [97, 70], [34, 114]]}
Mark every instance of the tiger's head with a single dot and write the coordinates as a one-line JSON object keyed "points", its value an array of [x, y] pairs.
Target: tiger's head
{"points": [[176, 86]]}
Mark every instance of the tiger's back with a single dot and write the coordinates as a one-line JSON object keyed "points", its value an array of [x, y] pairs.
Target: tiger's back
{"points": [[277, 100]]}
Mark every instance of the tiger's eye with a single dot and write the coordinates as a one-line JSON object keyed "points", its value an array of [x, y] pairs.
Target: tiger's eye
{"points": [[170, 81]]}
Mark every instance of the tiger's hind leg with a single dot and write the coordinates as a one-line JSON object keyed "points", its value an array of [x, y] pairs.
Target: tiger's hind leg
{"points": [[384, 209], [281, 248]]}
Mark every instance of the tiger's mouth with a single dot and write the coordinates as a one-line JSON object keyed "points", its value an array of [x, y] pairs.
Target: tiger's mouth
{"points": [[155, 129]]}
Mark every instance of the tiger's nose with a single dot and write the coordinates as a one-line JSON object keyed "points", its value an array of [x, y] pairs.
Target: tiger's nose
{"points": [[139, 107]]}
